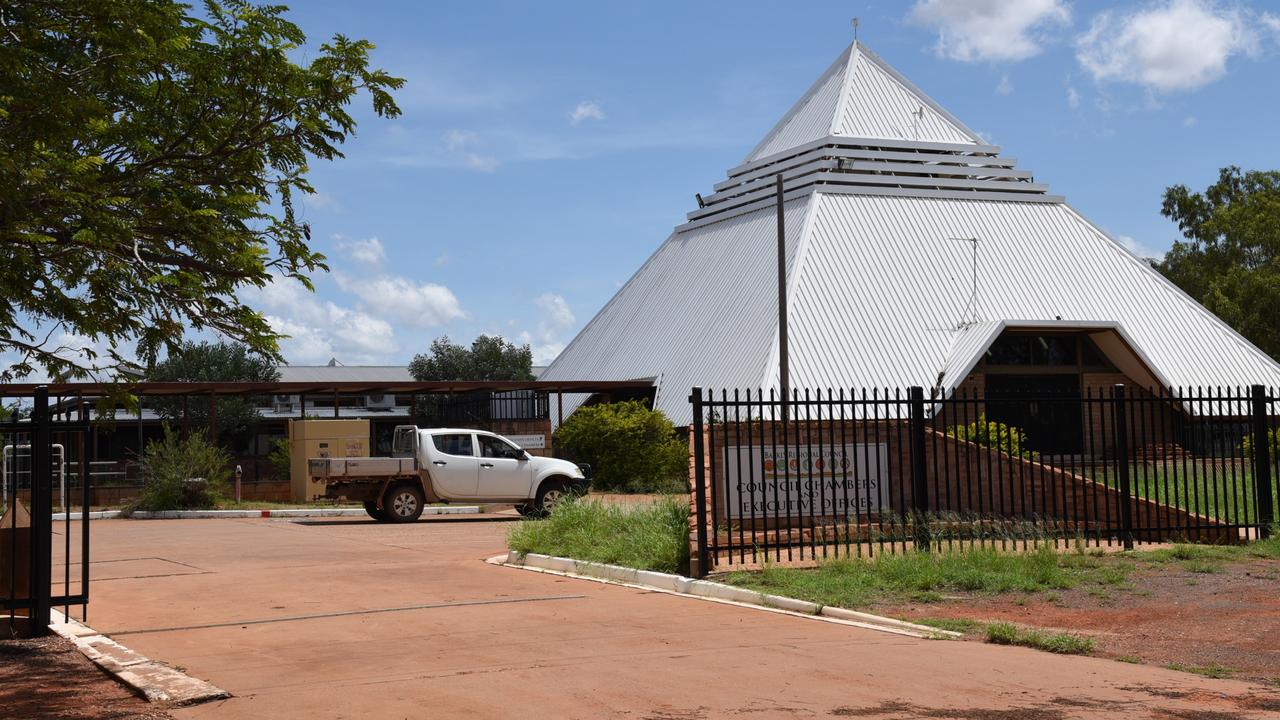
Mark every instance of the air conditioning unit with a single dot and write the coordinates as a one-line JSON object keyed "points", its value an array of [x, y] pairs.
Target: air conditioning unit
{"points": [[284, 403], [380, 401]]}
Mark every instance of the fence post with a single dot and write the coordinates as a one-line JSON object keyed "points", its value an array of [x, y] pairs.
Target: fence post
{"points": [[41, 514], [1262, 460], [700, 484], [919, 475], [1121, 429]]}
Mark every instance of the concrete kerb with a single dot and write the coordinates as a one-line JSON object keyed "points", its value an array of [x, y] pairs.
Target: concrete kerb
{"points": [[277, 513], [154, 681], [714, 592]]}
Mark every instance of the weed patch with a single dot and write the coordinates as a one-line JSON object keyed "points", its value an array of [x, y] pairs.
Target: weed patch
{"points": [[1003, 633], [646, 536]]}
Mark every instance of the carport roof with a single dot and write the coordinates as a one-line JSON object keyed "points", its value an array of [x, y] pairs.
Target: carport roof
{"points": [[310, 388]]}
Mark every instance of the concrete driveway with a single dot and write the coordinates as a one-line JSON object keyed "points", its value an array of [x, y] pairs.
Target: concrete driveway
{"points": [[353, 619]]}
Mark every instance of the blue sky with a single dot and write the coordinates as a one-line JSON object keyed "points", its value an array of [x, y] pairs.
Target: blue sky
{"points": [[546, 149]]}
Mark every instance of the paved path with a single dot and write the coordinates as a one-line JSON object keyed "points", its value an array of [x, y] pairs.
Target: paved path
{"points": [[353, 619]]}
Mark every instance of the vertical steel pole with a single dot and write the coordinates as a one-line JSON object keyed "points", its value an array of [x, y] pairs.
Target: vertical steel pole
{"points": [[1262, 460], [213, 418], [784, 360], [919, 473], [700, 484], [41, 515], [1121, 429]]}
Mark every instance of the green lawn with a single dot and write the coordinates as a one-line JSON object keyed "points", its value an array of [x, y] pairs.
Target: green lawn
{"points": [[1224, 492]]}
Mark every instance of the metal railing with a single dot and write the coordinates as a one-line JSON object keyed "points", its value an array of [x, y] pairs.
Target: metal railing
{"points": [[42, 450], [833, 473]]}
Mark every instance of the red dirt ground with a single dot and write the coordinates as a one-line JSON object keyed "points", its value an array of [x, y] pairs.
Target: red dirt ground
{"points": [[48, 678], [1164, 616]]}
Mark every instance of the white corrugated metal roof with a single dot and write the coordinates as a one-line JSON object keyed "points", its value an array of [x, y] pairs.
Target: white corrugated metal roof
{"points": [[861, 96], [880, 281], [702, 310]]}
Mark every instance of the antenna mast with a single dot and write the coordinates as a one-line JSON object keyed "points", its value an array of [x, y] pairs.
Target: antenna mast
{"points": [[970, 314]]}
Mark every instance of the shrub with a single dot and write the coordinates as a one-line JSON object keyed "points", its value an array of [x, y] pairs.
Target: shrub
{"points": [[989, 433], [630, 447], [169, 467], [643, 536], [1273, 436], [281, 462]]}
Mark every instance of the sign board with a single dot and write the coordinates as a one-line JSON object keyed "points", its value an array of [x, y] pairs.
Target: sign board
{"points": [[793, 482], [528, 442]]}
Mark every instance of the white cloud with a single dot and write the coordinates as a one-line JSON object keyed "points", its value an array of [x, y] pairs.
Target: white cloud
{"points": [[321, 327], [1271, 22], [1073, 97], [321, 201], [403, 300], [368, 251], [459, 144], [1005, 87], [442, 259], [555, 320], [483, 163], [1170, 46], [990, 30], [586, 110], [1139, 249], [1190, 121], [459, 139]]}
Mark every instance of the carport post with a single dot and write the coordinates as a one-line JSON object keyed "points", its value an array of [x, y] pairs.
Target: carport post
{"points": [[1262, 460], [213, 419]]}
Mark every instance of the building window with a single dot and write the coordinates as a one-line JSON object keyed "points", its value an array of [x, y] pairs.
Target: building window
{"points": [[1041, 350]]}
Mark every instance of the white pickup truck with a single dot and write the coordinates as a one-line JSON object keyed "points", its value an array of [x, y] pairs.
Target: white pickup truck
{"points": [[448, 465]]}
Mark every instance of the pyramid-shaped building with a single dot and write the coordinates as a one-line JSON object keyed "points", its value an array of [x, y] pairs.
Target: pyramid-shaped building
{"points": [[916, 255]]}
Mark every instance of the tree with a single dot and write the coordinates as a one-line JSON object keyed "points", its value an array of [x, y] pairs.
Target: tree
{"points": [[630, 447], [151, 161], [213, 362], [1230, 261], [490, 357]]}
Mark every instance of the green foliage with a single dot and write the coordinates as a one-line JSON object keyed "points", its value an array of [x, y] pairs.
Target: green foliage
{"points": [[1003, 633], [151, 163], [170, 465], [281, 459], [649, 536], [1230, 260], [1273, 437], [490, 357], [212, 362], [989, 433], [630, 447]]}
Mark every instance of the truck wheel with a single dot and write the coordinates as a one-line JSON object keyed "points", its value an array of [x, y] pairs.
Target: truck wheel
{"points": [[551, 493], [403, 503], [371, 507]]}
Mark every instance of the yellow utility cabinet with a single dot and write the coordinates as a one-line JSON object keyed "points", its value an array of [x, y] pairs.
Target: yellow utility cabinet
{"points": [[322, 439]]}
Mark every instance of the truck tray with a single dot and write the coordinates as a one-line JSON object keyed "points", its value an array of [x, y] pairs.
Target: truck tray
{"points": [[360, 467]]}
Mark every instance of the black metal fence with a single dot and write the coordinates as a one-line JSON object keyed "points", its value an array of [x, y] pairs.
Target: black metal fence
{"points": [[44, 557], [834, 473], [483, 408]]}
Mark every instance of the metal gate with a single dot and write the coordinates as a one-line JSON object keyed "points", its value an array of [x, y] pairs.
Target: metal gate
{"points": [[44, 512]]}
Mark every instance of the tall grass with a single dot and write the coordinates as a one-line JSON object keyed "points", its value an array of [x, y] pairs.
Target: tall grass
{"points": [[643, 536]]}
